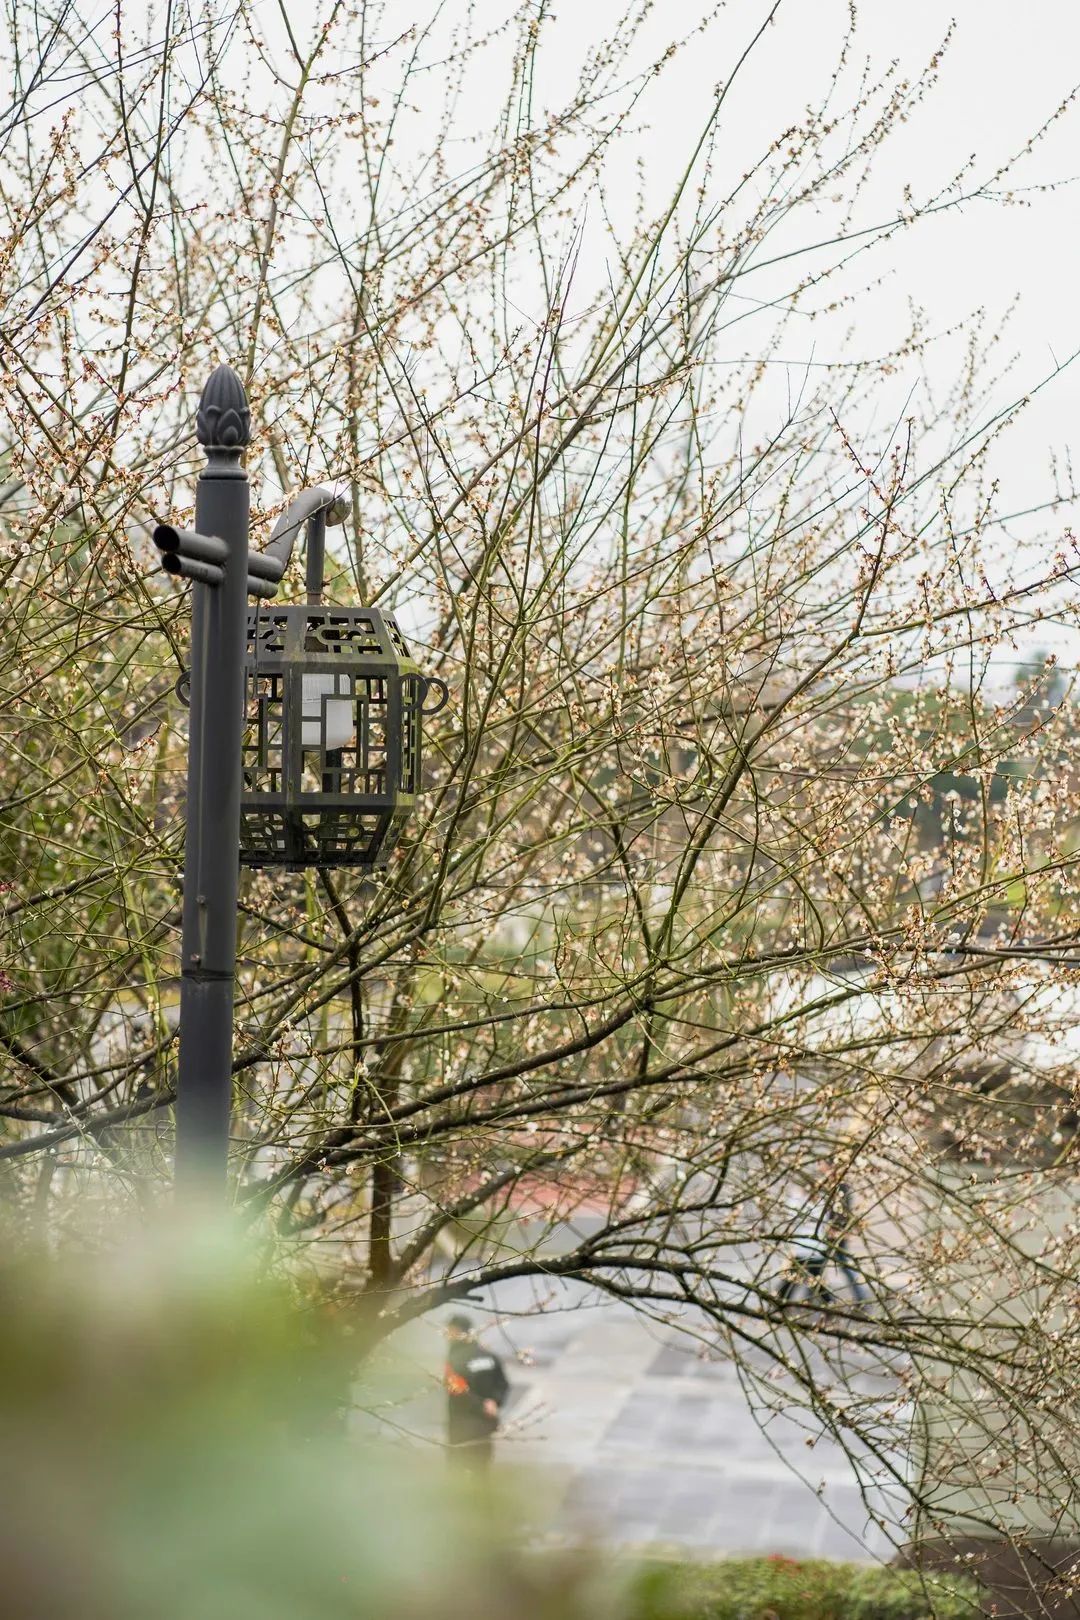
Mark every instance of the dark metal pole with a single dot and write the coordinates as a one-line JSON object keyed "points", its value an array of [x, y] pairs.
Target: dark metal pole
{"points": [[211, 858], [316, 555]]}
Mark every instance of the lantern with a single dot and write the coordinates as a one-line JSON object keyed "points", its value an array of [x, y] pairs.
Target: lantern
{"points": [[332, 729]]}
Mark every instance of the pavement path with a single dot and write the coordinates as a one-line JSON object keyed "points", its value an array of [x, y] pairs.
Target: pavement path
{"points": [[638, 1440]]}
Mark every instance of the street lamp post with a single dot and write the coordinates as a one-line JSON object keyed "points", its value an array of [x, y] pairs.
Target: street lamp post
{"points": [[303, 746], [211, 870]]}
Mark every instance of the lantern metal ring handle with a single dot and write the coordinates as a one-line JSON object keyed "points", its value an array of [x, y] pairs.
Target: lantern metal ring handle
{"points": [[427, 682]]}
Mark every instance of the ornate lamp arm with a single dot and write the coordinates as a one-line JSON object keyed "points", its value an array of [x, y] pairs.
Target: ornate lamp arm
{"points": [[316, 507]]}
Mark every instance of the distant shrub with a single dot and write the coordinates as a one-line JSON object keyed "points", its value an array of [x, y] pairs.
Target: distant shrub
{"points": [[778, 1588]]}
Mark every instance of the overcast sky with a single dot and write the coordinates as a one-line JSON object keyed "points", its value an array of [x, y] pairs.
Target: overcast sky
{"points": [[1006, 70]]}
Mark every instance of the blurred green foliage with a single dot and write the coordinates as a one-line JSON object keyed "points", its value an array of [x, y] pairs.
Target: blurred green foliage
{"points": [[174, 1423], [777, 1588]]}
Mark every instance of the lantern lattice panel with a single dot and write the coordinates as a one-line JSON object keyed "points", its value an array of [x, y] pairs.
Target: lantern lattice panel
{"points": [[331, 752], [264, 764]]}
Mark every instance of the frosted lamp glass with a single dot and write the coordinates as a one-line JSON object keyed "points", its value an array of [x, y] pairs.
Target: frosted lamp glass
{"points": [[340, 712]]}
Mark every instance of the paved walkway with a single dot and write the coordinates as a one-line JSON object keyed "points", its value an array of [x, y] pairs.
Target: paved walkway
{"points": [[641, 1442]]}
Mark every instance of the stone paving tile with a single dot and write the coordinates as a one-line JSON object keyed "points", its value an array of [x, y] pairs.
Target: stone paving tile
{"points": [[675, 1361], [682, 1517]]}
